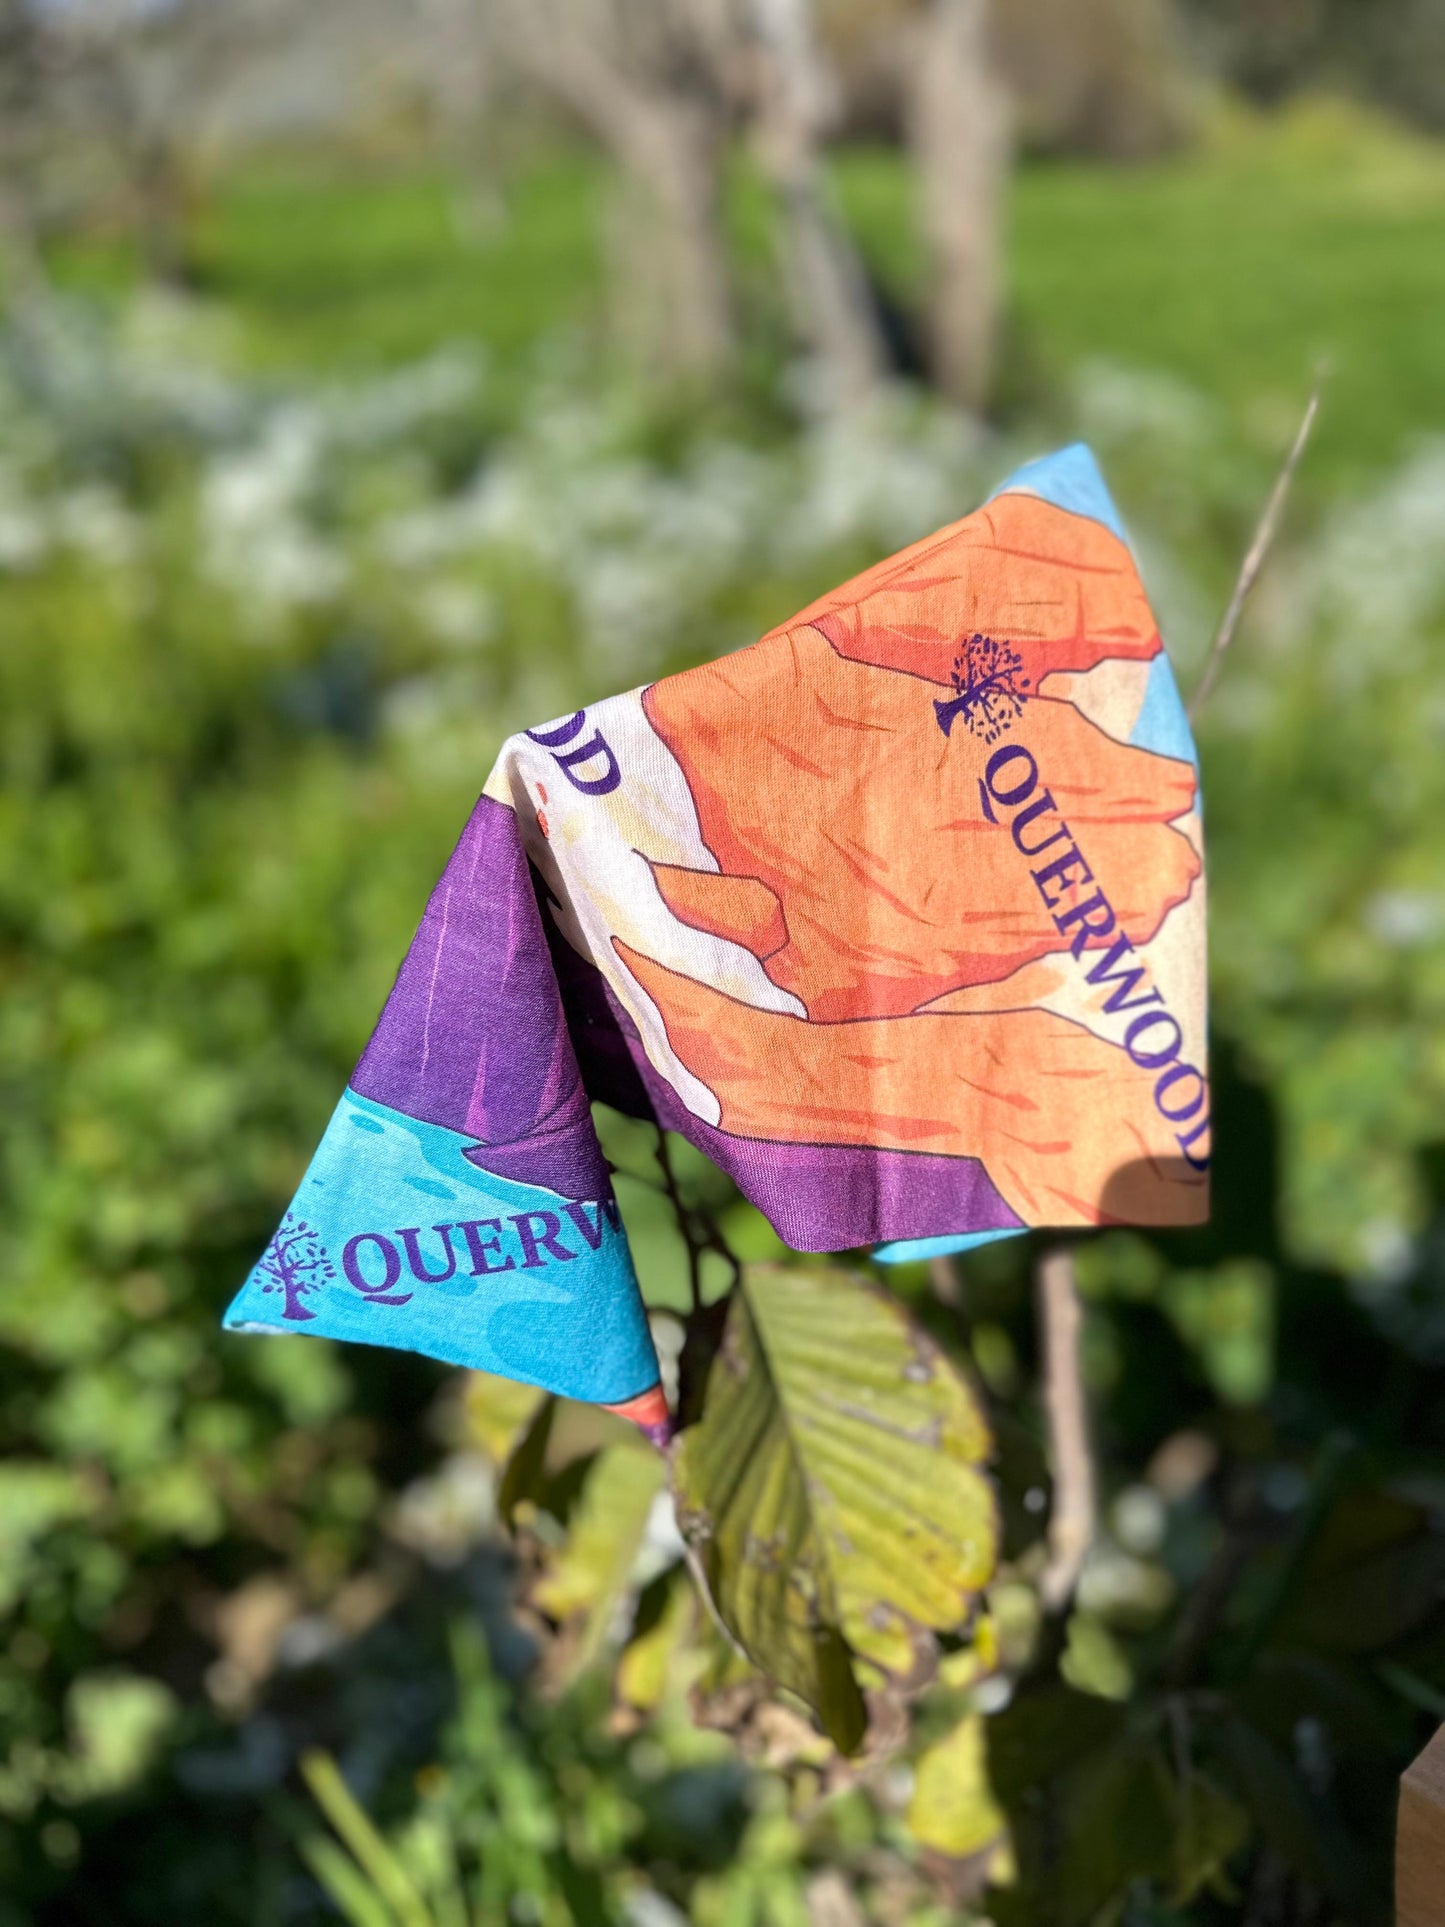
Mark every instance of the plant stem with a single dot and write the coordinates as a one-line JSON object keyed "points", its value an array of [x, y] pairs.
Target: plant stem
{"points": [[1258, 549], [1072, 1522]]}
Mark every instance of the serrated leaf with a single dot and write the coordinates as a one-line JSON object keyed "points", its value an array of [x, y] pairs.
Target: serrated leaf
{"points": [[499, 1410], [833, 1490], [590, 1574], [953, 1809]]}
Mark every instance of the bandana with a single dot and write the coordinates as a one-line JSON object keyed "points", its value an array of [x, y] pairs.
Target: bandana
{"points": [[897, 915]]}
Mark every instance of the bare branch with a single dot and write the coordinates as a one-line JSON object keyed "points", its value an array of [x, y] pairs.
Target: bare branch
{"points": [[1071, 1526], [696, 1225], [681, 1213], [1258, 549]]}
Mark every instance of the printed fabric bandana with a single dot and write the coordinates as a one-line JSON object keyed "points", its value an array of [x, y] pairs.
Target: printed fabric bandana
{"points": [[897, 915]]}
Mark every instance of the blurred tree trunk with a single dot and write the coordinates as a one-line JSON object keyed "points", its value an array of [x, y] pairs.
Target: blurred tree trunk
{"points": [[648, 79], [674, 286], [833, 310], [958, 129]]}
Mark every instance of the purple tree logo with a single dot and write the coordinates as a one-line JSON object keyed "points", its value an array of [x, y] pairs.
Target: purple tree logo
{"points": [[991, 689], [295, 1263]]}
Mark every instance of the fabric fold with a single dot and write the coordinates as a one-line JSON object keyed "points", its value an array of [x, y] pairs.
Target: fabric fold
{"points": [[898, 916]]}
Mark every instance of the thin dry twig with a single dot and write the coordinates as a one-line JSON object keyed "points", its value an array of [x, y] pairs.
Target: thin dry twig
{"points": [[1258, 549], [1072, 1522]]}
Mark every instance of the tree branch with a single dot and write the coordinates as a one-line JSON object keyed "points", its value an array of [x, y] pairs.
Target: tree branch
{"points": [[1258, 549], [1071, 1525], [683, 1216], [700, 1230]]}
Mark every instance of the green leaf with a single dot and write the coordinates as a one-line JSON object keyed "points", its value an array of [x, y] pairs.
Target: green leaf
{"points": [[119, 1723], [355, 1896], [1374, 1603], [1294, 1823], [385, 1872], [593, 1570], [499, 1410], [1209, 1829], [1043, 1734], [525, 1469], [1227, 1317], [550, 1459], [655, 1655], [953, 1809], [1095, 1661], [1118, 1827], [832, 1491], [35, 1498], [1110, 1823]]}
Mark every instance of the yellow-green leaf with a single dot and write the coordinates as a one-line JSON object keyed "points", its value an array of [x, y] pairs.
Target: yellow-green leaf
{"points": [[833, 1490], [655, 1659], [379, 1862], [953, 1809], [357, 1900], [499, 1411], [524, 1475], [1095, 1661], [589, 1574]]}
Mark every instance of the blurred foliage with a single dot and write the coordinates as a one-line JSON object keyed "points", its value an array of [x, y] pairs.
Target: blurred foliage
{"points": [[261, 630], [1272, 243], [1392, 51], [520, 1816]]}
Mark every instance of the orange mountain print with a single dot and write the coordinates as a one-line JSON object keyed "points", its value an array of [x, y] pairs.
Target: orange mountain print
{"points": [[856, 845]]}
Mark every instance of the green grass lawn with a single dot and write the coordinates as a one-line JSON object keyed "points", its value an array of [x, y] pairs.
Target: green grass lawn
{"points": [[1237, 267], [1241, 269], [338, 268]]}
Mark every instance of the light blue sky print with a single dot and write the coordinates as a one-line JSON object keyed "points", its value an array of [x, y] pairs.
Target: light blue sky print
{"points": [[394, 1238], [906, 1251], [1070, 479], [1162, 724]]}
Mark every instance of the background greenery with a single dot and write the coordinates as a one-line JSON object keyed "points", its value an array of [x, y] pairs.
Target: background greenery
{"points": [[282, 561]]}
